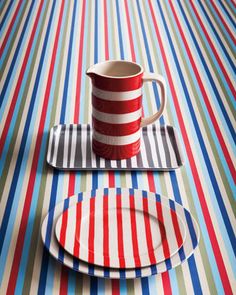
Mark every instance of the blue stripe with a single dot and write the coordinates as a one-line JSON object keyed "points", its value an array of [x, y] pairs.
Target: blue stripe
{"points": [[119, 31], [13, 62], [175, 186], [202, 144], [24, 139], [205, 112], [65, 91], [201, 218], [210, 52], [154, 85], [227, 13], [220, 23], [217, 37], [217, 95], [16, 24], [145, 286], [195, 278], [6, 15], [193, 191], [19, 98]]}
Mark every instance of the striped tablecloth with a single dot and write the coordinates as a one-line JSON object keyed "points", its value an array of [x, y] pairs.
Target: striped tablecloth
{"points": [[45, 49]]}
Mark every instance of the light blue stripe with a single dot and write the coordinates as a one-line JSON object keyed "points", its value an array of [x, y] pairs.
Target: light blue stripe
{"points": [[138, 56], [15, 71], [18, 189], [204, 233], [152, 282], [229, 69], [212, 36], [15, 25], [212, 83], [101, 286], [213, 133], [213, 198], [42, 156], [219, 22], [7, 20], [84, 96]]}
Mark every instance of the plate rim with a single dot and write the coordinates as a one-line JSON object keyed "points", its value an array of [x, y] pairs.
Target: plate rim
{"points": [[114, 273], [168, 209]]}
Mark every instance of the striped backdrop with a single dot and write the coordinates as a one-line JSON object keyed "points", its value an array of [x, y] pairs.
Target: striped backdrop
{"points": [[46, 47]]}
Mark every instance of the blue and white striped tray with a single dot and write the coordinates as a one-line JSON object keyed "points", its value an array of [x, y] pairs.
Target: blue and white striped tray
{"points": [[70, 148]]}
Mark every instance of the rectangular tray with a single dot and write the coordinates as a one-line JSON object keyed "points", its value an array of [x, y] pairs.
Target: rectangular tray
{"points": [[70, 148]]}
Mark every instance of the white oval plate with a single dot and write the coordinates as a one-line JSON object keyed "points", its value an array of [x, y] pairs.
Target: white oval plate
{"points": [[51, 243], [120, 230]]}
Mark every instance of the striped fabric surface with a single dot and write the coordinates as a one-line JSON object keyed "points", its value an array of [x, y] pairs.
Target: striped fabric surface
{"points": [[46, 47], [70, 147]]}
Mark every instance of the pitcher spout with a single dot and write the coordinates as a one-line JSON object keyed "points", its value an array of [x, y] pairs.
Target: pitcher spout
{"points": [[90, 72]]}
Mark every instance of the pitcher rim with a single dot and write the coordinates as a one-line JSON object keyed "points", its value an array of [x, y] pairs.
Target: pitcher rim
{"points": [[116, 77]]}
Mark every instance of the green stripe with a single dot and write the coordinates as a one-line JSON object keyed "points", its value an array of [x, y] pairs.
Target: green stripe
{"points": [[204, 120], [21, 109], [180, 281], [47, 172], [209, 59], [10, 48], [209, 12], [202, 245]]}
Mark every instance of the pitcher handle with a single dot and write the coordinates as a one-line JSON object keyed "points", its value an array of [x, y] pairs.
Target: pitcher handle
{"points": [[161, 81]]}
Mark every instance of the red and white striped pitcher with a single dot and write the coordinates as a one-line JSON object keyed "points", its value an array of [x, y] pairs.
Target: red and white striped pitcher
{"points": [[117, 107]]}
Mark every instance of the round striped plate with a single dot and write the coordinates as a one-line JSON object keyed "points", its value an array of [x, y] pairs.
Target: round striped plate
{"points": [[121, 230], [51, 243]]}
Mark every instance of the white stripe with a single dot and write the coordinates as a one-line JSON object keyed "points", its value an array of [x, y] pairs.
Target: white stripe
{"points": [[116, 96], [116, 118], [116, 140]]}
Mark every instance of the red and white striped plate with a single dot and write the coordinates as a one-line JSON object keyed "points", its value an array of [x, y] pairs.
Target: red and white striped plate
{"points": [[54, 248], [120, 230]]}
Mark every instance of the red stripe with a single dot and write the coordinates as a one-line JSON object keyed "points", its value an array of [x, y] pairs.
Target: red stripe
{"points": [[166, 283], [30, 187], [79, 68], [175, 222], [131, 42], [165, 245], [206, 99], [120, 231], [134, 232], [10, 28], [116, 107], [211, 232], [115, 285], [106, 31], [114, 151], [122, 84], [223, 21], [19, 81], [91, 231], [64, 281], [116, 129], [64, 277], [232, 88], [111, 179], [164, 276], [105, 232], [78, 228], [63, 228], [148, 232]]}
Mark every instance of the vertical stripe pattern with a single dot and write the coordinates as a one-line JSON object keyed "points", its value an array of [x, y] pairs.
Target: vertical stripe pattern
{"points": [[45, 50]]}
